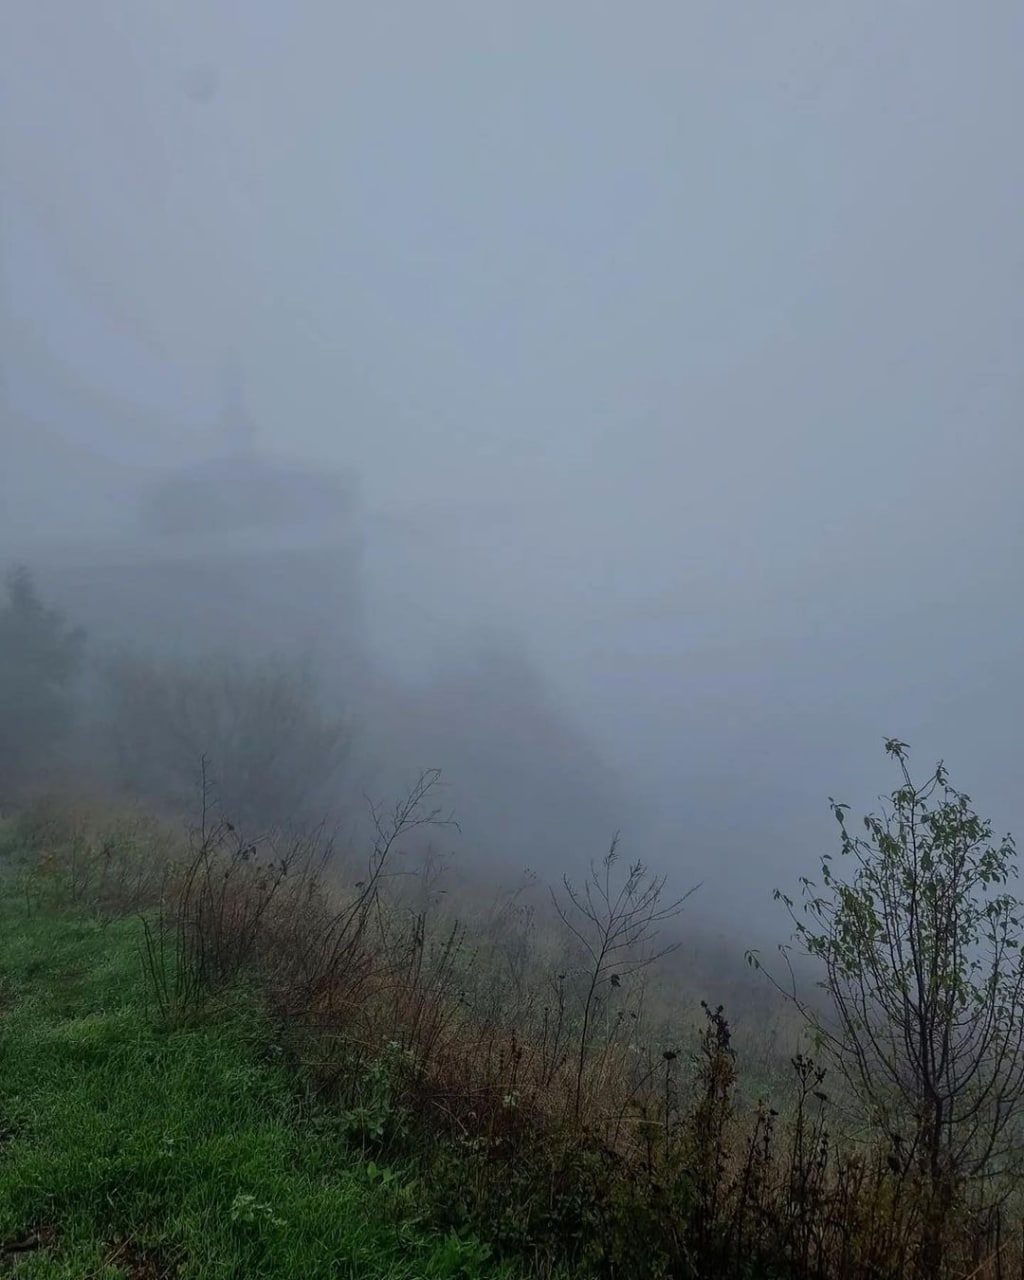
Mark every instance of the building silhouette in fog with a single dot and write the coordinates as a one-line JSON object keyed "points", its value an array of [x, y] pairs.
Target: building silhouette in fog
{"points": [[242, 552]]}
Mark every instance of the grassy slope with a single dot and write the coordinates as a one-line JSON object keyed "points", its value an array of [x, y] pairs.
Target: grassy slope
{"points": [[131, 1151]]}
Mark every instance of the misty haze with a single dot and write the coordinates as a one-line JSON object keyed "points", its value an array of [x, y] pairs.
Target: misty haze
{"points": [[593, 426]]}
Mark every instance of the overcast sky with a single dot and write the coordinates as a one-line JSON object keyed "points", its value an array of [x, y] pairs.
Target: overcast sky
{"points": [[685, 338]]}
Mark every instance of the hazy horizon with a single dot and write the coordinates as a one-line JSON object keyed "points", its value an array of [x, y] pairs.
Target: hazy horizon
{"points": [[673, 349]]}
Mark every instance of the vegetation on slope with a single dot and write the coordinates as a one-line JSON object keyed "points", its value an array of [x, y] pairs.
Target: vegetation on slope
{"points": [[128, 1149], [228, 1054], [219, 1062]]}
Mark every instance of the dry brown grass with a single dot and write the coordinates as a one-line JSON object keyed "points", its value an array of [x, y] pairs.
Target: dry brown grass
{"points": [[589, 1140]]}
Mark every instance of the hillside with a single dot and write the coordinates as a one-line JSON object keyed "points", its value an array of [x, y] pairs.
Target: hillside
{"points": [[128, 1150]]}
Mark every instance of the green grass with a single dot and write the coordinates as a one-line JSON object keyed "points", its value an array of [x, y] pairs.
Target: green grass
{"points": [[134, 1151]]}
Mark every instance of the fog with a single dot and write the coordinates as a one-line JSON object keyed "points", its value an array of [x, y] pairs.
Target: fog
{"points": [[667, 356]]}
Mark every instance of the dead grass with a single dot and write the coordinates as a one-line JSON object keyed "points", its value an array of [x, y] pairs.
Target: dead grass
{"points": [[544, 1097]]}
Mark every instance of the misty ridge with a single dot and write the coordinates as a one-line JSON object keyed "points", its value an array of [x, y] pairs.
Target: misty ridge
{"points": [[229, 633], [240, 595], [486, 499]]}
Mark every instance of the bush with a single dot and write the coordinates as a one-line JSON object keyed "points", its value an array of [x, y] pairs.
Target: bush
{"points": [[274, 756]]}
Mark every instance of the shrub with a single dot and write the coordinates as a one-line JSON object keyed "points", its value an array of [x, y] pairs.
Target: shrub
{"points": [[274, 753]]}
